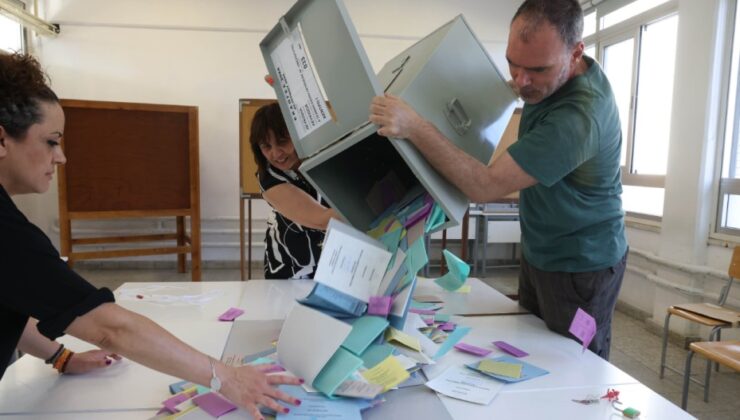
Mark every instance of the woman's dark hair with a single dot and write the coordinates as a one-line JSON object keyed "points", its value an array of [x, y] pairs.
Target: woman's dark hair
{"points": [[267, 119], [565, 15], [23, 86]]}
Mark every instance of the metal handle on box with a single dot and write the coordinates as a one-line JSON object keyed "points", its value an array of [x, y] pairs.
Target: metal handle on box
{"points": [[457, 116]]}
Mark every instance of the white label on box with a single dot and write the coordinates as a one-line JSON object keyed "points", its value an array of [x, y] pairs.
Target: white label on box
{"points": [[306, 105]]}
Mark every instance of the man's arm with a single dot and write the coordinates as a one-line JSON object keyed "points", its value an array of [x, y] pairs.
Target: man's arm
{"points": [[479, 182], [116, 329]]}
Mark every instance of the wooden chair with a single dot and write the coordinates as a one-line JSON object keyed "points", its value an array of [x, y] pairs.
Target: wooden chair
{"points": [[726, 353], [711, 315]]}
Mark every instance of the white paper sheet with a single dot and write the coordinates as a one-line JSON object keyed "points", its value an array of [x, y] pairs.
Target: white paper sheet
{"points": [[466, 384], [295, 76], [401, 301], [308, 340], [351, 261], [413, 323]]}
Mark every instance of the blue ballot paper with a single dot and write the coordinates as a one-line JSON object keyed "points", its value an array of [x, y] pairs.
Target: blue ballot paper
{"points": [[457, 274], [337, 370], [528, 371], [364, 331], [391, 240], [452, 339], [333, 302], [317, 406], [416, 256], [375, 354], [435, 220]]}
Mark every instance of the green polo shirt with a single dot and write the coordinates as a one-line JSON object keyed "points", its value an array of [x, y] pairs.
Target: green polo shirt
{"points": [[572, 219]]}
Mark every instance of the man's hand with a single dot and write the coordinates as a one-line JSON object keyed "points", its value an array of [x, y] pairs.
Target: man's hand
{"points": [[395, 117]]}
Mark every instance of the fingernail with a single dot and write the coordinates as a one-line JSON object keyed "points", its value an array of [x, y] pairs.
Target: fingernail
{"points": [[297, 402], [300, 380], [108, 362], [286, 410]]}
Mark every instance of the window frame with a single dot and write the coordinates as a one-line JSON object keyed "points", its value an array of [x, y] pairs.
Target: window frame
{"points": [[22, 28], [727, 186], [630, 28]]}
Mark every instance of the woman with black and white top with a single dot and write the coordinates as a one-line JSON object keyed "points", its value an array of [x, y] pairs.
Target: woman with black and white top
{"points": [[295, 227]]}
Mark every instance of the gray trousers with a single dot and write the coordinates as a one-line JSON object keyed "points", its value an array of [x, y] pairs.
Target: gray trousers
{"points": [[555, 297]]}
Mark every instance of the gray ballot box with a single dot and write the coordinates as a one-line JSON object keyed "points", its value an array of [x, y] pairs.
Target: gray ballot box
{"points": [[324, 83]]}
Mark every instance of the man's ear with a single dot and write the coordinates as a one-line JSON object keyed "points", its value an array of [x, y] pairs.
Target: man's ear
{"points": [[3, 142], [577, 52]]}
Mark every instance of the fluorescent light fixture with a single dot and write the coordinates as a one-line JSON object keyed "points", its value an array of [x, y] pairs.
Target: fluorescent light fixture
{"points": [[13, 11]]}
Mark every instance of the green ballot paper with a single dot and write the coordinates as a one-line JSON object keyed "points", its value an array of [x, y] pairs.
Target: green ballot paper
{"points": [[457, 274]]}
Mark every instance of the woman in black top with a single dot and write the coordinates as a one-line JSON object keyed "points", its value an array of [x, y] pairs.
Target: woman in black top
{"points": [[295, 227], [43, 298]]}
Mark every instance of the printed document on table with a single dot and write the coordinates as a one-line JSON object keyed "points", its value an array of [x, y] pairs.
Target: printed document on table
{"points": [[466, 384], [351, 262]]}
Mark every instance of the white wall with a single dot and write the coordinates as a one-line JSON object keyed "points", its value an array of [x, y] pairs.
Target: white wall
{"points": [[206, 53]]}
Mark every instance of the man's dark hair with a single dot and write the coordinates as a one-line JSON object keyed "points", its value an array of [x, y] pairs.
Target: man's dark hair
{"points": [[565, 15]]}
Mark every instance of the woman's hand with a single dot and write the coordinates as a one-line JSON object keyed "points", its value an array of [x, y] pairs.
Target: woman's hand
{"points": [[248, 387], [89, 361]]}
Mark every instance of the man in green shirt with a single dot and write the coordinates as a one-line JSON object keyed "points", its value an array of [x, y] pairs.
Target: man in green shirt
{"points": [[565, 163]]}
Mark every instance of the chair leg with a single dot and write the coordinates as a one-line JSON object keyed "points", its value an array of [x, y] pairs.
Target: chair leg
{"points": [[719, 338], [686, 376], [713, 336], [665, 344]]}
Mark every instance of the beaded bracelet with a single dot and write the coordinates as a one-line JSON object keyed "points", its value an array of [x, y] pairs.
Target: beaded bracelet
{"points": [[61, 363], [55, 356], [66, 362]]}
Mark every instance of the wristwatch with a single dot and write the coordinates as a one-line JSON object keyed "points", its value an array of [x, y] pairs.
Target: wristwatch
{"points": [[215, 381]]}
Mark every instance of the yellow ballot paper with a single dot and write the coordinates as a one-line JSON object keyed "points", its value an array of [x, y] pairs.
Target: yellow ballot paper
{"points": [[465, 288], [387, 373], [401, 337], [511, 370]]}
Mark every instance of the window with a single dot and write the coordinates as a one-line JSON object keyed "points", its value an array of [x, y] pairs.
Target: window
{"points": [[635, 40], [728, 209], [11, 35]]}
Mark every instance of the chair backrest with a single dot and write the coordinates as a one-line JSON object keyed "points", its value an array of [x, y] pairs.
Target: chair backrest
{"points": [[733, 272]]}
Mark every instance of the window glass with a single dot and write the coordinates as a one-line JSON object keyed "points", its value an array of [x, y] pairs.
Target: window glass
{"points": [[11, 35], [590, 51], [589, 24], [655, 97], [628, 11], [617, 62], [643, 200]]}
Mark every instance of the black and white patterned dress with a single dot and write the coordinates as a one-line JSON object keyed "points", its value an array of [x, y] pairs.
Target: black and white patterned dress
{"points": [[291, 250]]}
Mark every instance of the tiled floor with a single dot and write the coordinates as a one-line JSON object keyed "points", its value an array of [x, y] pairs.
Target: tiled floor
{"points": [[635, 349]]}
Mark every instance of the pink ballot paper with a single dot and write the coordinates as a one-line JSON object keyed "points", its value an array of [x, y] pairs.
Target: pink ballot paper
{"points": [[583, 327], [469, 348], [510, 349], [213, 404], [231, 314], [379, 305]]}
